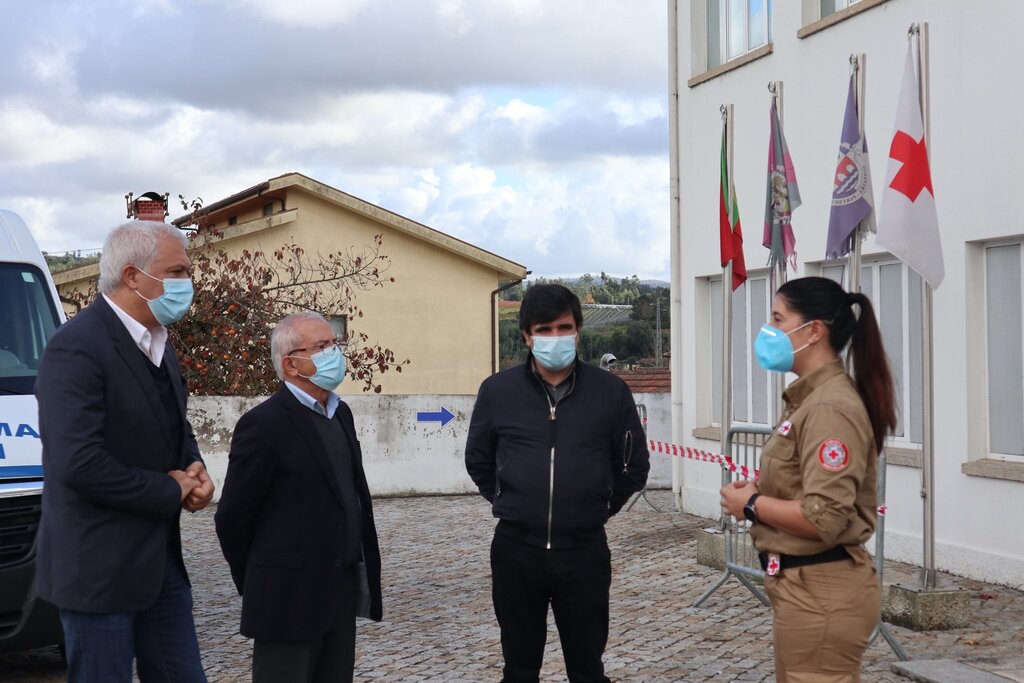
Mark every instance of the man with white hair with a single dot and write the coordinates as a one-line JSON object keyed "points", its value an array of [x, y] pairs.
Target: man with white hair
{"points": [[295, 520], [121, 461]]}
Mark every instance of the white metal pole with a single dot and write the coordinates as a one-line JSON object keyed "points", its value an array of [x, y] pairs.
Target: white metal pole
{"points": [[928, 576], [858, 63], [777, 278], [726, 423], [676, 315]]}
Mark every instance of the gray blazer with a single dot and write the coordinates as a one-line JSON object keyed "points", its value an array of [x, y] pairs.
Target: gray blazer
{"points": [[110, 512]]}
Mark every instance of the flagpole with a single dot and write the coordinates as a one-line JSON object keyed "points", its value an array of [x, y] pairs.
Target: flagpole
{"points": [[676, 315], [777, 278], [726, 424], [928, 574], [858, 63]]}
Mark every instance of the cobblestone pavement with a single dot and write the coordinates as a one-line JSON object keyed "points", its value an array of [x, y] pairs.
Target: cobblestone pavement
{"points": [[439, 625]]}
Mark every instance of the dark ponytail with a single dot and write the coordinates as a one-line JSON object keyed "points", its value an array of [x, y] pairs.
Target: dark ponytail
{"points": [[818, 298]]}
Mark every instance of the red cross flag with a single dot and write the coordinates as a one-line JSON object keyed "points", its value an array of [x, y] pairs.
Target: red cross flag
{"points": [[908, 225]]}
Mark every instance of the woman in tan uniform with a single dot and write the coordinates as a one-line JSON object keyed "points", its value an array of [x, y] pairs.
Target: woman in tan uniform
{"points": [[814, 504]]}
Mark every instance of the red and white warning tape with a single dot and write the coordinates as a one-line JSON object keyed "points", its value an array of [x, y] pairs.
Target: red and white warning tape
{"points": [[708, 456], [703, 456]]}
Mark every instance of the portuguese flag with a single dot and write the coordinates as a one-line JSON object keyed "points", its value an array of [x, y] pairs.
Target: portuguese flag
{"points": [[731, 234]]}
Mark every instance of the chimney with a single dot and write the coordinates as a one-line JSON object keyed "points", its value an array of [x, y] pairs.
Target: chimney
{"points": [[149, 207]]}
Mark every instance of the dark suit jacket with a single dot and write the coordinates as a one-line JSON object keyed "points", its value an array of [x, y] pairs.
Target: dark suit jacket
{"points": [[108, 503], [280, 522]]}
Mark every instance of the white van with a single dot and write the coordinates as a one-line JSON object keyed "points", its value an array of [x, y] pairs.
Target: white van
{"points": [[30, 311]]}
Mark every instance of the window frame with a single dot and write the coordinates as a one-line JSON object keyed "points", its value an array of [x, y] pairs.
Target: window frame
{"points": [[725, 21], [985, 246], [838, 6], [904, 383], [339, 325], [715, 345], [813, 21]]}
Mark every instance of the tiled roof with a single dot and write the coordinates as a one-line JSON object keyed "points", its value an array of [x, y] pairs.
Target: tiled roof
{"points": [[647, 380]]}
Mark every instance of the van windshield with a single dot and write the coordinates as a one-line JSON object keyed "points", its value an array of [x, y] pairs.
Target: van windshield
{"points": [[27, 320]]}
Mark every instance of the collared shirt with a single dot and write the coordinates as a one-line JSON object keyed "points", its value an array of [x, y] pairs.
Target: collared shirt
{"points": [[150, 342], [821, 453], [313, 404], [556, 392]]}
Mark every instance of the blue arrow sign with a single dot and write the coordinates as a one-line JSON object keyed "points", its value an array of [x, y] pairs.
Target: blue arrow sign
{"points": [[444, 416]]}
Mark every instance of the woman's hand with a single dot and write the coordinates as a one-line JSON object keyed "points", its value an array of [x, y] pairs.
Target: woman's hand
{"points": [[735, 496]]}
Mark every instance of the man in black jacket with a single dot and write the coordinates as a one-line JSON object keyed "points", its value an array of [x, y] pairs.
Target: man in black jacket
{"points": [[295, 520], [557, 447]]}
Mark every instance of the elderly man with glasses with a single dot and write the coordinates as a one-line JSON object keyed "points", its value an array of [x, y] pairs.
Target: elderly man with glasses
{"points": [[295, 519]]}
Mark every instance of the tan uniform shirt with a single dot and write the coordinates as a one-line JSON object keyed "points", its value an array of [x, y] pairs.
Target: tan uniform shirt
{"points": [[821, 453]]}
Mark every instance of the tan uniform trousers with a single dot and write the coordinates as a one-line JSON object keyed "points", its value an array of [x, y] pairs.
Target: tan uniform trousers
{"points": [[824, 615]]}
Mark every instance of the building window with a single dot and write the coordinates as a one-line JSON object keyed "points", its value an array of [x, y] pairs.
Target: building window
{"points": [[895, 293], [268, 209], [736, 27], [232, 220], [751, 390], [339, 325], [1004, 331], [832, 6]]}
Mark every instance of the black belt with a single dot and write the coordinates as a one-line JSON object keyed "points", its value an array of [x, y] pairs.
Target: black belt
{"points": [[790, 561]]}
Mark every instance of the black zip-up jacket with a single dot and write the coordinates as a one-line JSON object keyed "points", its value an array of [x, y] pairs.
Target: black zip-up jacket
{"points": [[555, 472]]}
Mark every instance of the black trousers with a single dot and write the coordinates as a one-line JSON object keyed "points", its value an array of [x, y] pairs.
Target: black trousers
{"points": [[575, 583], [330, 659]]}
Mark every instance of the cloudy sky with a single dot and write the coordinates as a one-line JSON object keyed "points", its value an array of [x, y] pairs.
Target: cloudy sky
{"points": [[536, 129]]}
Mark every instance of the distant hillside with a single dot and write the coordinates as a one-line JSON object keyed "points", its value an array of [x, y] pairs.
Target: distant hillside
{"points": [[69, 260], [597, 280]]}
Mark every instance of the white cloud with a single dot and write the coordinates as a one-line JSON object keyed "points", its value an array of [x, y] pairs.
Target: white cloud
{"points": [[527, 10], [39, 214], [159, 7], [32, 138], [53, 61], [518, 111], [454, 16], [310, 14], [635, 112], [533, 129], [610, 216]]}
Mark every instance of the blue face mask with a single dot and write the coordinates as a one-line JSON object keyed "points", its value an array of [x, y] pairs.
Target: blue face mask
{"points": [[330, 368], [774, 350], [173, 304], [555, 353]]}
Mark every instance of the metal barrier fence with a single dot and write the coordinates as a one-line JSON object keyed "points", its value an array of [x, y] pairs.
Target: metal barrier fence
{"points": [[740, 557], [641, 410]]}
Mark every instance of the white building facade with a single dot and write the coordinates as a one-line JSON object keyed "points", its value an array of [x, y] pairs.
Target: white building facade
{"points": [[727, 53]]}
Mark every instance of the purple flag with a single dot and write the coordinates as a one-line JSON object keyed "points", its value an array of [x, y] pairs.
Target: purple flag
{"points": [[853, 200], [781, 198]]}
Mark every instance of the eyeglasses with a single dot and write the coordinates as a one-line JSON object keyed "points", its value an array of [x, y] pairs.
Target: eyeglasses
{"points": [[317, 348]]}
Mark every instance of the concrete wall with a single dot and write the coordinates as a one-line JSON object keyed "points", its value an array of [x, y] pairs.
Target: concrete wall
{"points": [[401, 456], [974, 168]]}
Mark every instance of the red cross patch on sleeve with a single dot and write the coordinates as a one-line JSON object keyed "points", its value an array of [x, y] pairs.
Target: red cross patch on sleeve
{"points": [[833, 455]]}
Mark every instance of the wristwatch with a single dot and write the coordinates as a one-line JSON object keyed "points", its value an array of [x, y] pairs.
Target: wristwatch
{"points": [[748, 510]]}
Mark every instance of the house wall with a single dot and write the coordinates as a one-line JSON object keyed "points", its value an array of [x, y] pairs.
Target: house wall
{"points": [[437, 313], [974, 126]]}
